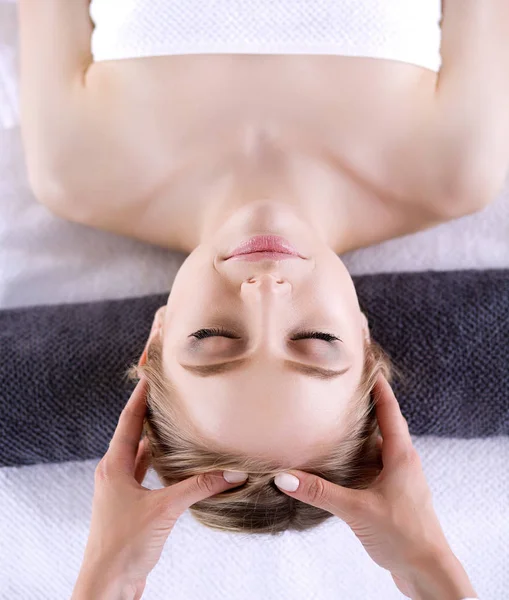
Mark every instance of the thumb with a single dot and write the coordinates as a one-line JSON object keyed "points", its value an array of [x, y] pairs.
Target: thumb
{"points": [[340, 501], [184, 494]]}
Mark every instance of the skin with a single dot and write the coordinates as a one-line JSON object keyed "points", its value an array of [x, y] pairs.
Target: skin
{"points": [[130, 523], [141, 147], [394, 519], [182, 152], [266, 304], [197, 153]]}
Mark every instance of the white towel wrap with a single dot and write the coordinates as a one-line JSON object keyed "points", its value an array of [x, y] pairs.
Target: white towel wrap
{"points": [[403, 30]]}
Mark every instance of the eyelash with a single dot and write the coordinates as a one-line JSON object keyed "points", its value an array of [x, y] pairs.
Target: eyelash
{"points": [[220, 332]]}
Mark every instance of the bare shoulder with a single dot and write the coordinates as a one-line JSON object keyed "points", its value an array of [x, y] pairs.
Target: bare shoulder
{"points": [[106, 162], [425, 181], [451, 158], [404, 143]]}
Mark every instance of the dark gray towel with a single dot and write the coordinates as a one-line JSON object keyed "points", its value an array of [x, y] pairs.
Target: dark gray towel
{"points": [[62, 367]]}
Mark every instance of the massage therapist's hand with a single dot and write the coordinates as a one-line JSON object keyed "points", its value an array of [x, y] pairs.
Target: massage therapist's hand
{"points": [[394, 519], [130, 523]]}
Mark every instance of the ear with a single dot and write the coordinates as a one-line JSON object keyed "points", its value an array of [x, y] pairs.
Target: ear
{"points": [[157, 325], [365, 327]]}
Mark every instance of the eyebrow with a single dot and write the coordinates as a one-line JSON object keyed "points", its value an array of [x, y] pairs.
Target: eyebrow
{"points": [[233, 365]]}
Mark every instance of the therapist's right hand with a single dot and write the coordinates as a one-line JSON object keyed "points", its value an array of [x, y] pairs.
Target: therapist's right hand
{"points": [[394, 518]]}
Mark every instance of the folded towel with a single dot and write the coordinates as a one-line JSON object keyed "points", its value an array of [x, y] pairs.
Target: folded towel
{"points": [[62, 366]]}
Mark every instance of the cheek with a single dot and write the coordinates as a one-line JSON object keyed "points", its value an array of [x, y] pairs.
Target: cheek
{"points": [[336, 284], [345, 288], [195, 291], [192, 275], [339, 295]]}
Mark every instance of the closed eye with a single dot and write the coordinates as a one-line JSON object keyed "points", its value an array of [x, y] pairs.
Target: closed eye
{"points": [[304, 335], [318, 335], [214, 332]]}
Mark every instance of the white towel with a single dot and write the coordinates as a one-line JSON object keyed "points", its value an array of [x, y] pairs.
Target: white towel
{"points": [[405, 30], [46, 513]]}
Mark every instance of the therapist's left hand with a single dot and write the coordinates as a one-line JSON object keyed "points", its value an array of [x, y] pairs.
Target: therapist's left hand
{"points": [[130, 523]]}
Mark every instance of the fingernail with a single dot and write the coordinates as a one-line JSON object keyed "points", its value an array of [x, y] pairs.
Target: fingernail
{"points": [[286, 482], [234, 476]]}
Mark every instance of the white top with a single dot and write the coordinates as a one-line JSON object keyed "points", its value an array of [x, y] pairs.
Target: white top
{"points": [[403, 30]]}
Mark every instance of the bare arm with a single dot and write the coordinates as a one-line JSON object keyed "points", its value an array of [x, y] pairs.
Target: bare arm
{"points": [[83, 158], [55, 53], [455, 156], [56, 32], [82, 152], [465, 148]]}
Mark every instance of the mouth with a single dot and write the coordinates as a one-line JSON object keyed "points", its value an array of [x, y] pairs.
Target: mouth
{"points": [[264, 247], [257, 256]]}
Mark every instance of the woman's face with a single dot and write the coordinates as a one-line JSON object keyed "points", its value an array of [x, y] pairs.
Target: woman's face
{"points": [[262, 391]]}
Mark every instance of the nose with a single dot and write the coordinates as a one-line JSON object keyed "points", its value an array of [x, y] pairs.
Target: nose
{"points": [[263, 296], [266, 284]]}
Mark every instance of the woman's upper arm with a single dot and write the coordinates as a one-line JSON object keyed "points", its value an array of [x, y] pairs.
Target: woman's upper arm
{"points": [[54, 40], [84, 150], [473, 85], [54, 45], [462, 156]]}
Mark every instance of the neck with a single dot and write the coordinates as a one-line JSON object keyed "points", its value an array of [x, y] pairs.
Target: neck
{"points": [[300, 182]]}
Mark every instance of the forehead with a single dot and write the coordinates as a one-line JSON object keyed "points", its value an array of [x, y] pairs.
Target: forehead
{"points": [[267, 413]]}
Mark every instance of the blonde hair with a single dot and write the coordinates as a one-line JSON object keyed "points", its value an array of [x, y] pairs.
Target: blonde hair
{"points": [[258, 506]]}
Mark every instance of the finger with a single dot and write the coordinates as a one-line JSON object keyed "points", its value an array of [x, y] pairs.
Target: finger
{"points": [[142, 461], [314, 490], [126, 439], [184, 494], [393, 426]]}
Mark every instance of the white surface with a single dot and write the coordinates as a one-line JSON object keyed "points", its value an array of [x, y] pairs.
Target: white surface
{"points": [[45, 509], [9, 113], [406, 30], [46, 513]]}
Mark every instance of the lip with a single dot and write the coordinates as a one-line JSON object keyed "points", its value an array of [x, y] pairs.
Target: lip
{"points": [[258, 256], [264, 247]]}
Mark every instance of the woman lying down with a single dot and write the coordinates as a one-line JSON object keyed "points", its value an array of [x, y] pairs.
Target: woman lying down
{"points": [[264, 167]]}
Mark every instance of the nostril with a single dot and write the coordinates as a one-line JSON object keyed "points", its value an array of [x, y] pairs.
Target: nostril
{"points": [[254, 280]]}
